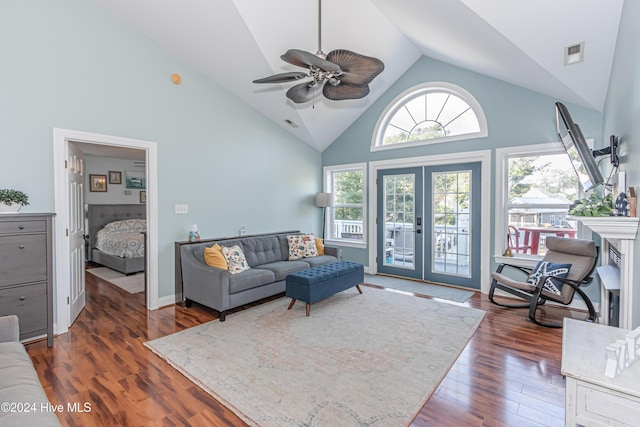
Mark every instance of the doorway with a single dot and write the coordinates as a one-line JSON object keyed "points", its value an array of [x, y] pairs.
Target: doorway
{"points": [[429, 221], [62, 140]]}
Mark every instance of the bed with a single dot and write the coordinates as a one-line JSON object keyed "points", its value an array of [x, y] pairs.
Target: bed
{"points": [[108, 225]]}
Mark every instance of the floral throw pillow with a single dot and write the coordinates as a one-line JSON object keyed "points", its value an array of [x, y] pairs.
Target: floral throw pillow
{"points": [[545, 268], [236, 261], [302, 246]]}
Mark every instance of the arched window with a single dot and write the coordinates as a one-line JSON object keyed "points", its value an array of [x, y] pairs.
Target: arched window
{"points": [[429, 113]]}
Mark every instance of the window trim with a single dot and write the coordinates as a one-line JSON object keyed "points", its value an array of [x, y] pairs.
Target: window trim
{"points": [[400, 100], [501, 207], [328, 172]]}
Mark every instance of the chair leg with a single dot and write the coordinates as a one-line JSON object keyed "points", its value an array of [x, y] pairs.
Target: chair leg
{"points": [[526, 297], [532, 317], [593, 316]]}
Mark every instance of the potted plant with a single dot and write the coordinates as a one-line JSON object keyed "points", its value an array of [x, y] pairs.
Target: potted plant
{"points": [[12, 200], [592, 206]]}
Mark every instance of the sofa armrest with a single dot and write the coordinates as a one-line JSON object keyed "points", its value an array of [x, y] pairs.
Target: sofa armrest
{"points": [[9, 328], [204, 284], [333, 251]]}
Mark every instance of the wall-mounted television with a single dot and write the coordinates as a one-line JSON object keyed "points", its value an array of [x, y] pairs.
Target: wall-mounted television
{"points": [[581, 155]]}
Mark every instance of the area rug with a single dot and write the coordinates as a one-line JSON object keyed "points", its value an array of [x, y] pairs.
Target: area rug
{"points": [[133, 283], [422, 288], [358, 360]]}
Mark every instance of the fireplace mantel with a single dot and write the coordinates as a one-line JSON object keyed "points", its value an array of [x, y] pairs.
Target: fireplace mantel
{"points": [[619, 232], [610, 227]]}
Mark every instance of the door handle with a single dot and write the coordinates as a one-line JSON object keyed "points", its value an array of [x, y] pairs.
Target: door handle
{"points": [[418, 231]]}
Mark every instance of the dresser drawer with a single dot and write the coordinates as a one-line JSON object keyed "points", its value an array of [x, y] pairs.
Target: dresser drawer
{"points": [[22, 227], [29, 303], [23, 259], [598, 406]]}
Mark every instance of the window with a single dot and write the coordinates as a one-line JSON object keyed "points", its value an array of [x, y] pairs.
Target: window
{"points": [[430, 113], [539, 186], [345, 221]]}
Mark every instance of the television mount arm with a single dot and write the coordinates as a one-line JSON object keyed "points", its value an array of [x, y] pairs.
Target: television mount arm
{"points": [[611, 150]]}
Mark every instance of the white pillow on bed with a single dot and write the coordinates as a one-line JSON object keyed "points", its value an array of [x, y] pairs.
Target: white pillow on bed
{"points": [[127, 225]]}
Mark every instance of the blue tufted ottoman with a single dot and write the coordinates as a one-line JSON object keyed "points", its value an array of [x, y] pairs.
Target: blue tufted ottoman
{"points": [[320, 282]]}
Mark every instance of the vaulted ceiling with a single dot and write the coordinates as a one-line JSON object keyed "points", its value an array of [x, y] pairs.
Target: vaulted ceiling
{"points": [[234, 42]]}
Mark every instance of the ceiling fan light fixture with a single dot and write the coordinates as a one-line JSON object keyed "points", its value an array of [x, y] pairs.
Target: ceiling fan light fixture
{"points": [[349, 73]]}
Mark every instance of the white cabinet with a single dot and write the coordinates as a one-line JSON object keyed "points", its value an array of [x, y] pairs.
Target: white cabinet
{"points": [[592, 398]]}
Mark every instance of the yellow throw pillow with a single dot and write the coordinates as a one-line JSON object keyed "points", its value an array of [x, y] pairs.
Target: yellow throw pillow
{"points": [[213, 257], [320, 246]]}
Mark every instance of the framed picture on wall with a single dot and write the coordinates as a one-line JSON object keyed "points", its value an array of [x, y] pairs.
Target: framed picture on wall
{"points": [[136, 180], [115, 177], [143, 197], [98, 183]]}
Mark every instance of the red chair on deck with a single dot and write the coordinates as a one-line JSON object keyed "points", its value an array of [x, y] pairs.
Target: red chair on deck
{"points": [[514, 241]]}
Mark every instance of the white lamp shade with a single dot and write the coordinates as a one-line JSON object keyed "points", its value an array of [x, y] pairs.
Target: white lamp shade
{"points": [[324, 200]]}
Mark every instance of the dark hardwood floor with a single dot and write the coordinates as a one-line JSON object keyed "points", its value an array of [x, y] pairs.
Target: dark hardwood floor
{"points": [[508, 375]]}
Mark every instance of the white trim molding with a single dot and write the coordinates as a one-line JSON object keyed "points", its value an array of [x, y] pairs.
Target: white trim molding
{"points": [[484, 157], [61, 139]]}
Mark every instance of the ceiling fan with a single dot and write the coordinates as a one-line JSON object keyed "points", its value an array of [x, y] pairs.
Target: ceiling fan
{"points": [[341, 74]]}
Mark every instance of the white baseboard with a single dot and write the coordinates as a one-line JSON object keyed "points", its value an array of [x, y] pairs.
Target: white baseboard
{"points": [[166, 301]]}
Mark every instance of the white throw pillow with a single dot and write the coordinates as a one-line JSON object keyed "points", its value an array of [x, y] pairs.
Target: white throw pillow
{"points": [[302, 246], [236, 261]]}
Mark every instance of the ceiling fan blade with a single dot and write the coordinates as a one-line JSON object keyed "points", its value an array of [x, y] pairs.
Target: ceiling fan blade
{"points": [[282, 78], [341, 92], [303, 92], [358, 70], [305, 59]]}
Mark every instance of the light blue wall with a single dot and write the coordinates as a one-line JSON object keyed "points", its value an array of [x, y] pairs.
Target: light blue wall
{"points": [[68, 64], [515, 116], [622, 108]]}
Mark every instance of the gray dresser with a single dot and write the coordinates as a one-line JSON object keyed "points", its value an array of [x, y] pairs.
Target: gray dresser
{"points": [[26, 272]]}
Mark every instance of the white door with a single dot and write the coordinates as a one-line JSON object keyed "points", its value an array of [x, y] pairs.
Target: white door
{"points": [[75, 168]]}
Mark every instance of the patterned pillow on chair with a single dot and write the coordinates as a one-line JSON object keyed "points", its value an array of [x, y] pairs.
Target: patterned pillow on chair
{"points": [[545, 268]]}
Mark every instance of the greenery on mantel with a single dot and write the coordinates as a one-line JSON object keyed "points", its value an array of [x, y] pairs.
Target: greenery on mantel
{"points": [[10, 197], [594, 205]]}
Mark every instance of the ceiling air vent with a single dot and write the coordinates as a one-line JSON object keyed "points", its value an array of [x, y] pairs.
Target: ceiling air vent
{"points": [[290, 123], [574, 54]]}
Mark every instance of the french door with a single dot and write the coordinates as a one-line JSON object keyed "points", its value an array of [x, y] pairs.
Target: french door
{"points": [[428, 223]]}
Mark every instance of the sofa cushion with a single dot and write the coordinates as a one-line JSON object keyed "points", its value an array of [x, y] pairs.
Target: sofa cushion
{"points": [[250, 279], [214, 257], [19, 383], [320, 260], [282, 268], [262, 250], [236, 261]]}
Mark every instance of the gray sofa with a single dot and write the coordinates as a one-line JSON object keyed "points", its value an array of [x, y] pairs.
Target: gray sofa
{"points": [[24, 402], [268, 257]]}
